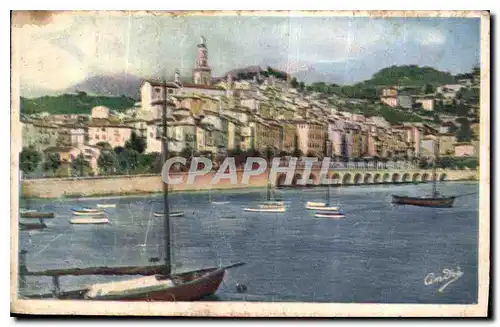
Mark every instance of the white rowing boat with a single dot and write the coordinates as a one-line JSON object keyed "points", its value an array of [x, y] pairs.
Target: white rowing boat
{"points": [[170, 214], [267, 208], [89, 221], [87, 212], [321, 206], [331, 215], [106, 205]]}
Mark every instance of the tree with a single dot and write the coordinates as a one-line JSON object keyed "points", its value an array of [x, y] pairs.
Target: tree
{"points": [[301, 86], [104, 145], [128, 161], [52, 162], [107, 162], [80, 166], [270, 152], [137, 143], [119, 149], [294, 83], [29, 159], [427, 89], [343, 149], [464, 133]]}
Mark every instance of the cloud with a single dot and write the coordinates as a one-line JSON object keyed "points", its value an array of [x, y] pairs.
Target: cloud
{"points": [[431, 38], [67, 48]]}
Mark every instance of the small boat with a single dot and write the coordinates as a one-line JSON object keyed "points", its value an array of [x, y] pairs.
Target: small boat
{"points": [[170, 214], [32, 226], [323, 206], [320, 206], [89, 220], [267, 208], [87, 211], [434, 201], [106, 205], [329, 214], [36, 214], [219, 202], [23, 210], [270, 205]]}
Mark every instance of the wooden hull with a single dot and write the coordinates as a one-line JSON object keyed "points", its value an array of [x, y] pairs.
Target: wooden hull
{"points": [[31, 226], [189, 286], [37, 215], [443, 202]]}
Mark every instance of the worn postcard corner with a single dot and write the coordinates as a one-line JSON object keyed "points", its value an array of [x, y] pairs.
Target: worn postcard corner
{"points": [[250, 164]]}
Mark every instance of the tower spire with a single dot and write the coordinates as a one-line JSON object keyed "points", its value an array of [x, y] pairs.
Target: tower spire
{"points": [[202, 73]]}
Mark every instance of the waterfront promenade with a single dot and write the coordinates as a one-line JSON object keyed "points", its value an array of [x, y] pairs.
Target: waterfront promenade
{"points": [[144, 184]]}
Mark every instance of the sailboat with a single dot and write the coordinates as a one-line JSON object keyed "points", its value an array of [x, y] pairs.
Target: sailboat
{"points": [[158, 283], [435, 200], [269, 206], [323, 206]]}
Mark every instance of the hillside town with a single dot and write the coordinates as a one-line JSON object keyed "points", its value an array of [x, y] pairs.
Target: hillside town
{"points": [[252, 113]]}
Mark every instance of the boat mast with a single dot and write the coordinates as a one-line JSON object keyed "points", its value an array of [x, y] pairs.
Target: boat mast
{"points": [[327, 202], [268, 176], [434, 174], [168, 267]]}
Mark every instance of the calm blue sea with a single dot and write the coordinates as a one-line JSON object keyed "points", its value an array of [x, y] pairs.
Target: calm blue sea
{"points": [[377, 254]]}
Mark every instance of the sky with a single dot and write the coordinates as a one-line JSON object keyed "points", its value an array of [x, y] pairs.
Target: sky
{"points": [[61, 50]]}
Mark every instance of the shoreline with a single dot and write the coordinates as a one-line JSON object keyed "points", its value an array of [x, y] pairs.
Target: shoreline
{"points": [[108, 196]]}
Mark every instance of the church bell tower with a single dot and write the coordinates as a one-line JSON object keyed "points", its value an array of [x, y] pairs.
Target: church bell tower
{"points": [[202, 73]]}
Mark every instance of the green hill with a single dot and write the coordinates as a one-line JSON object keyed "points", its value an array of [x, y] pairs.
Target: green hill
{"points": [[73, 104], [411, 75]]}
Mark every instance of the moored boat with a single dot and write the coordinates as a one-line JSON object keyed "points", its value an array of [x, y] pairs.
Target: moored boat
{"points": [[23, 210], [89, 220], [106, 205], [36, 214], [329, 214], [432, 201], [32, 226], [170, 214], [436, 200], [87, 211], [321, 206], [266, 208]]}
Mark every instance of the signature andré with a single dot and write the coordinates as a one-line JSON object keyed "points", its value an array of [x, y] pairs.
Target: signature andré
{"points": [[449, 276]]}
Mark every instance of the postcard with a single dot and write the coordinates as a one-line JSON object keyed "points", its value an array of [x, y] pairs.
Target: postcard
{"points": [[250, 164]]}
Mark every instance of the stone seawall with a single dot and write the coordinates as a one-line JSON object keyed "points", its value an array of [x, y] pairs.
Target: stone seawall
{"points": [[143, 184]]}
